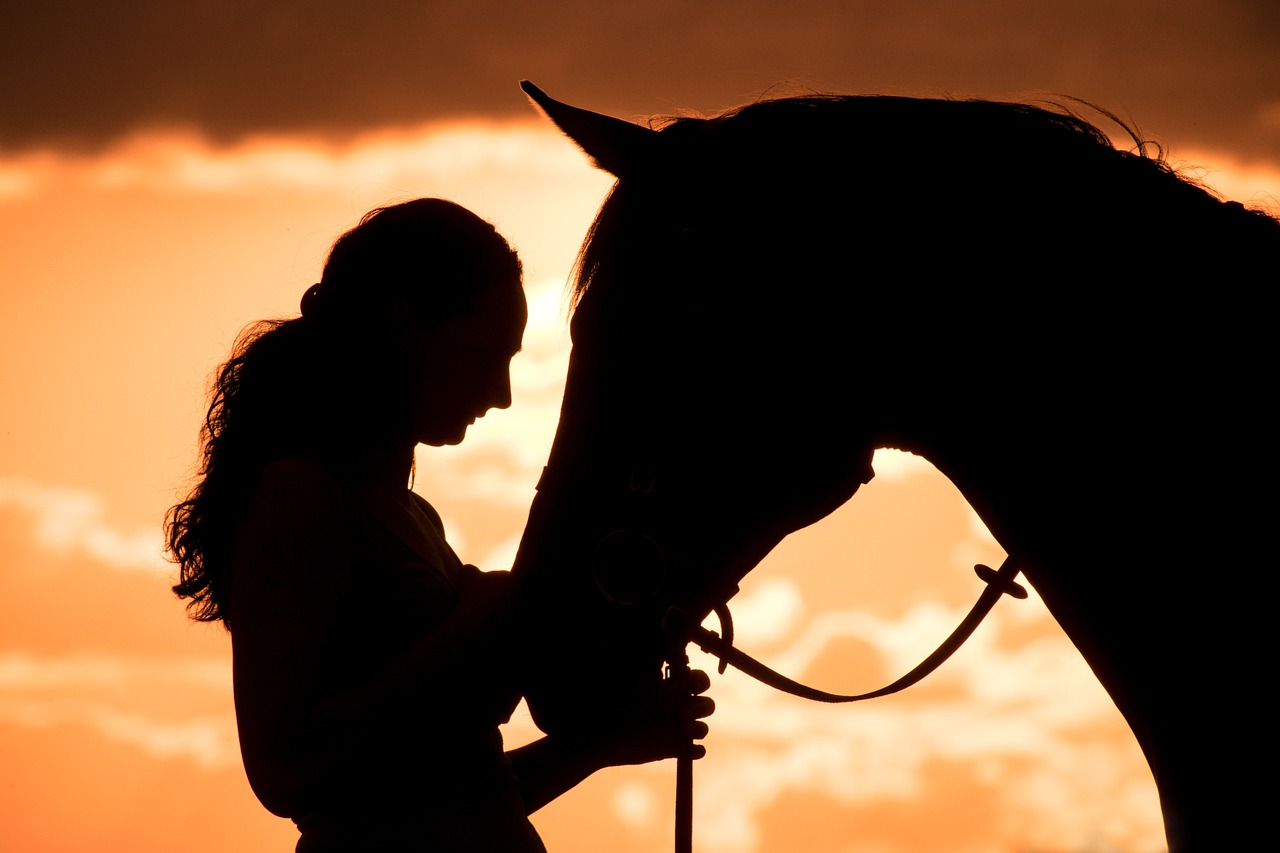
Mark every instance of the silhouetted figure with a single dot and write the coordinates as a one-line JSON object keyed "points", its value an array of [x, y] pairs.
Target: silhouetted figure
{"points": [[1074, 335], [371, 667]]}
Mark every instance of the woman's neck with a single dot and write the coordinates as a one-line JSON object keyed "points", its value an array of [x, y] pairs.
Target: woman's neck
{"points": [[397, 469], [388, 468]]}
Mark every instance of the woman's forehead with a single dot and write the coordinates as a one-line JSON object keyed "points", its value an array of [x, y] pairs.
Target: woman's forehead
{"points": [[496, 318]]}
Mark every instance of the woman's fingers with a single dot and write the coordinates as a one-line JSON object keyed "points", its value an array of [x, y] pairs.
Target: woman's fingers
{"points": [[690, 709], [697, 682]]}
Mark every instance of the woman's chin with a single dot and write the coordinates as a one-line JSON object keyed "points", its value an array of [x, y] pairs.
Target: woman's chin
{"points": [[445, 439]]}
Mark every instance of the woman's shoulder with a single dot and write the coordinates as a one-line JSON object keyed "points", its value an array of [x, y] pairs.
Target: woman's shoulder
{"points": [[426, 509], [404, 517], [298, 499]]}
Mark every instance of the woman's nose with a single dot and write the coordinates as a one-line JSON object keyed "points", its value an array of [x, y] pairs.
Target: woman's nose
{"points": [[502, 393]]}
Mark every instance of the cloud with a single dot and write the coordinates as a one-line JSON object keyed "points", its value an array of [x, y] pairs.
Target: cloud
{"points": [[70, 520], [186, 162], [635, 805], [769, 610], [20, 671], [75, 73], [87, 689], [1032, 717], [210, 742], [896, 465]]}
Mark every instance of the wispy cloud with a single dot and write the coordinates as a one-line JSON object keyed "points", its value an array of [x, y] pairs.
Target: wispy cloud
{"points": [[1206, 68], [170, 163], [72, 520], [20, 671], [89, 690], [209, 741], [1033, 715], [769, 610]]}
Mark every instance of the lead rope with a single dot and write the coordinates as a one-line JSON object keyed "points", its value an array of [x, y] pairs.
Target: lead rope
{"points": [[677, 622], [679, 669]]}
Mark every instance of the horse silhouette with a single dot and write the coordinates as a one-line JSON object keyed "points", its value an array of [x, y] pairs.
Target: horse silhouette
{"points": [[1075, 335]]}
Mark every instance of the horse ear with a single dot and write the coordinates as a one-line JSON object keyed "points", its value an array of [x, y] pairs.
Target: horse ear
{"points": [[619, 147]]}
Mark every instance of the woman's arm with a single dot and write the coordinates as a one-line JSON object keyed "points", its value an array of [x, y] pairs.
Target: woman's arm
{"points": [[290, 571], [294, 559], [551, 766]]}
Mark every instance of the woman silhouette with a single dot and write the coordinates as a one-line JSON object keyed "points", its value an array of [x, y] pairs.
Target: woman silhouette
{"points": [[371, 667]]}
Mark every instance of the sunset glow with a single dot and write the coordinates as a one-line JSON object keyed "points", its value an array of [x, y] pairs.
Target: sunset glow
{"points": [[129, 273]]}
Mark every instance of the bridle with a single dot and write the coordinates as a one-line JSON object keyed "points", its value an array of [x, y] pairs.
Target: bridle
{"points": [[630, 564], [999, 583]]}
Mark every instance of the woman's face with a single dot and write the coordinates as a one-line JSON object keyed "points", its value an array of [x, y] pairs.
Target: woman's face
{"points": [[462, 369]]}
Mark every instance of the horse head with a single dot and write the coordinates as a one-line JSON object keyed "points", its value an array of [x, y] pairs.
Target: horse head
{"points": [[696, 430], [768, 295]]}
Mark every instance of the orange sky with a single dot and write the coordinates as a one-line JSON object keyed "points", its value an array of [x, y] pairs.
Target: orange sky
{"points": [[127, 275]]}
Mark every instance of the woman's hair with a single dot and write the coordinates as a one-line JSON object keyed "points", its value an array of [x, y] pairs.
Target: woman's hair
{"points": [[329, 385]]}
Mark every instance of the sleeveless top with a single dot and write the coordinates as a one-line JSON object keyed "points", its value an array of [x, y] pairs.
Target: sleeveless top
{"points": [[431, 775]]}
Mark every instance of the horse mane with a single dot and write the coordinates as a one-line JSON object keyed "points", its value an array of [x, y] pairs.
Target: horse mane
{"points": [[1021, 171], [1065, 329]]}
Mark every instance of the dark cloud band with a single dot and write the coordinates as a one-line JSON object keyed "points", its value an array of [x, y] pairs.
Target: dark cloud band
{"points": [[80, 74]]}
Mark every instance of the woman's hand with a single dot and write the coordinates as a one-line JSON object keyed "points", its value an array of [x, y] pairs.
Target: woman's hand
{"points": [[666, 728], [487, 597]]}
